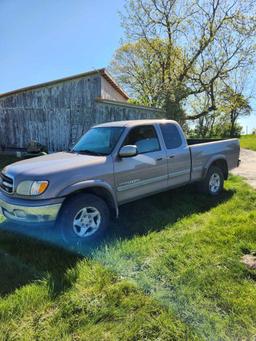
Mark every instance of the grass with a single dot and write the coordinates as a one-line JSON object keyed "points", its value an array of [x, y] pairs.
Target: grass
{"points": [[248, 141], [170, 270]]}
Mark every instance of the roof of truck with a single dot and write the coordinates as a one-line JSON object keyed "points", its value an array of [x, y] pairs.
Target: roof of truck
{"points": [[132, 123]]}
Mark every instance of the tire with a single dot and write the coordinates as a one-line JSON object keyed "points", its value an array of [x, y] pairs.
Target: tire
{"points": [[83, 218], [213, 182]]}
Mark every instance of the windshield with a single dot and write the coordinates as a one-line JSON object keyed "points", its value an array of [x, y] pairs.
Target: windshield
{"points": [[98, 141]]}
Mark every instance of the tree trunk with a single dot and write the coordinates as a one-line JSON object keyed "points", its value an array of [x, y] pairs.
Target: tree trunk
{"points": [[174, 111], [232, 125]]}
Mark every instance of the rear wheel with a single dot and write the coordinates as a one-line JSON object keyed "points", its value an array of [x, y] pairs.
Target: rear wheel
{"points": [[213, 182], [83, 218]]}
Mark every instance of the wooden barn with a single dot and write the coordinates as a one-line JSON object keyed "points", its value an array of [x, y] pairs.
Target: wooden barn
{"points": [[57, 113]]}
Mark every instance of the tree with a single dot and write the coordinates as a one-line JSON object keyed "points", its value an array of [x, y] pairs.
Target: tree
{"points": [[216, 125], [206, 126], [235, 105], [184, 49], [138, 69]]}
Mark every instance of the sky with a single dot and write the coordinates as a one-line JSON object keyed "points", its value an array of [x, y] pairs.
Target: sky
{"points": [[43, 40]]}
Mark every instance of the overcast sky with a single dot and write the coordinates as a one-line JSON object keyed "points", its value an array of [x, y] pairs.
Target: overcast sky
{"points": [[42, 40]]}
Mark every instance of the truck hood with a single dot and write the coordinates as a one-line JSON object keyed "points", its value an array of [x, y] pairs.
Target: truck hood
{"points": [[43, 167]]}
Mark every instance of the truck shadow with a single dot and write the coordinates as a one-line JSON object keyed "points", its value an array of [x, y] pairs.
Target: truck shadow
{"points": [[24, 260], [29, 254], [156, 212]]}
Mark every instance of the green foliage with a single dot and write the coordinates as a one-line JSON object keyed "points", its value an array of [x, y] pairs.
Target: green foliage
{"points": [[178, 51], [137, 67], [170, 270], [140, 58], [233, 101], [235, 105], [223, 122], [217, 126], [226, 130]]}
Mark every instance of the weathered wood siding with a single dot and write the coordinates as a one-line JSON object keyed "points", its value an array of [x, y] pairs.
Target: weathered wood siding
{"points": [[109, 111], [57, 115], [108, 91], [54, 115]]}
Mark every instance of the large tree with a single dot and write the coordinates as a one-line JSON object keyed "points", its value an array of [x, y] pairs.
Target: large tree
{"points": [[176, 50]]}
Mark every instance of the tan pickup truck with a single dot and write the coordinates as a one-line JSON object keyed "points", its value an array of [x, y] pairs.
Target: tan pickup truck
{"points": [[112, 164]]}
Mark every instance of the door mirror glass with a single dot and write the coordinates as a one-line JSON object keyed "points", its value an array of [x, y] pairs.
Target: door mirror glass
{"points": [[128, 151]]}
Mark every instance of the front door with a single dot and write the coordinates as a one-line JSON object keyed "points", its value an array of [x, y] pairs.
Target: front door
{"points": [[144, 173]]}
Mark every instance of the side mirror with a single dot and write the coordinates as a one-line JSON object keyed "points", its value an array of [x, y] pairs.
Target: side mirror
{"points": [[128, 151]]}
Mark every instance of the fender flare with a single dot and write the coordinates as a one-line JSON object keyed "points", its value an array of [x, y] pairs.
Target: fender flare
{"points": [[87, 184], [212, 160]]}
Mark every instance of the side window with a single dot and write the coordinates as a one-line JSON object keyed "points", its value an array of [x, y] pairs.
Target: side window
{"points": [[171, 135], [145, 138]]}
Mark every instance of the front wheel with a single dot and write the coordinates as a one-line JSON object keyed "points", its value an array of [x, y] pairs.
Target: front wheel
{"points": [[83, 218], [213, 182]]}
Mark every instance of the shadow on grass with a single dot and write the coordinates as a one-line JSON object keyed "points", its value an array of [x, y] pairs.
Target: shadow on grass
{"points": [[24, 259], [31, 253], [156, 212], [14, 273]]}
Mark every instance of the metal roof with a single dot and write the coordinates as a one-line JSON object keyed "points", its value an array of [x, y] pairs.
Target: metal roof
{"points": [[103, 72]]}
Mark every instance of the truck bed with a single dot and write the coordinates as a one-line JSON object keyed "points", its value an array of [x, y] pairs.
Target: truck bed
{"points": [[190, 142], [205, 151]]}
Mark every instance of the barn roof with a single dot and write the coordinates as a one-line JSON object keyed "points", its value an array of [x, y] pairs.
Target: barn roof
{"points": [[103, 72]]}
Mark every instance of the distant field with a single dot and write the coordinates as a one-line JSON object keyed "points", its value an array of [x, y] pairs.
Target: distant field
{"points": [[248, 142], [171, 270]]}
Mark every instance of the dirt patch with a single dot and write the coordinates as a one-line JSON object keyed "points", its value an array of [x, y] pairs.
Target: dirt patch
{"points": [[249, 261], [247, 168]]}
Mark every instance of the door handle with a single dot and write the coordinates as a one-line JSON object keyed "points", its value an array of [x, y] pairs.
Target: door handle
{"points": [[159, 159], [171, 156]]}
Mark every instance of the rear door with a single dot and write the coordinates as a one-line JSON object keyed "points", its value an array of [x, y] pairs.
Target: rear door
{"points": [[144, 173], [178, 154]]}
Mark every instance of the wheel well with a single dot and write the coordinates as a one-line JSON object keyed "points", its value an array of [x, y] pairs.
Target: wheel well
{"points": [[222, 164], [102, 193]]}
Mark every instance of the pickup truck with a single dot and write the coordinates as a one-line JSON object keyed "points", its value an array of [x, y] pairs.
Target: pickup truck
{"points": [[112, 164]]}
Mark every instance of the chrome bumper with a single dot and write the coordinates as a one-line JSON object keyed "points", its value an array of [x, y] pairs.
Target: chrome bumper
{"points": [[28, 214]]}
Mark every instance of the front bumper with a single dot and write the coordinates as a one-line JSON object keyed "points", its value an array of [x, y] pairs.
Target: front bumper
{"points": [[29, 211]]}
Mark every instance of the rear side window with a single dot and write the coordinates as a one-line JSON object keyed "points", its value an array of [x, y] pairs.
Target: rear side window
{"points": [[145, 138], [171, 135]]}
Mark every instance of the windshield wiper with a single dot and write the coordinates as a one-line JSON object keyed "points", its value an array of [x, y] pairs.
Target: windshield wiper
{"points": [[89, 152]]}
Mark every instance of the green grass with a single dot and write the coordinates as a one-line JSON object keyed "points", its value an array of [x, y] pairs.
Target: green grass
{"points": [[248, 142], [170, 270]]}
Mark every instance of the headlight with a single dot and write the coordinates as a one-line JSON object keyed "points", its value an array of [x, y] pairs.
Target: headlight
{"points": [[32, 187]]}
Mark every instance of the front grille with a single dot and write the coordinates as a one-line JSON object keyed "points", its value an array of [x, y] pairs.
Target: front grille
{"points": [[6, 183]]}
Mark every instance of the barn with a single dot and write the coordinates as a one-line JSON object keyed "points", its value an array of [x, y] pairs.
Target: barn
{"points": [[58, 112]]}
